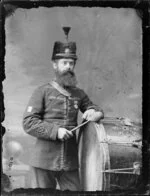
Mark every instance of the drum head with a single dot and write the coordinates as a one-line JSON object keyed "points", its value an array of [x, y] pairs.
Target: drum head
{"points": [[93, 157]]}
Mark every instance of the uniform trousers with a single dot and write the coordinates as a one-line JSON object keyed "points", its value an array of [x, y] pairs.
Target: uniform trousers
{"points": [[66, 180]]}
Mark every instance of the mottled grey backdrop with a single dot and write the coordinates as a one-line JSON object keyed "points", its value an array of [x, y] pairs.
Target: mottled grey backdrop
{"points": [[109, 47]]}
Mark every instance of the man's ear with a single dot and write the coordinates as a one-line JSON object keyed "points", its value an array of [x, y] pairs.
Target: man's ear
{"points": [[54, 64]]}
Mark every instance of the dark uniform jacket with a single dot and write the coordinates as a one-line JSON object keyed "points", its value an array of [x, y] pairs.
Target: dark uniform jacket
{"points": [[48, 109]]}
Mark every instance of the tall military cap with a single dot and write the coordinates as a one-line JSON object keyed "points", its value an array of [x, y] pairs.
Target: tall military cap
{"points": [[66, 49]]}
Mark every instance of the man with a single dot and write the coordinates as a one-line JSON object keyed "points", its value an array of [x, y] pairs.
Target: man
{"points": [[50, 115]]}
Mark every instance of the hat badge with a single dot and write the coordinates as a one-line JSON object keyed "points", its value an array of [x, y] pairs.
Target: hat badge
{"points": [[67, 50]]}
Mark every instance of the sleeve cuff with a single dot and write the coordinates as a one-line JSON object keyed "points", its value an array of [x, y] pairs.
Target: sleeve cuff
{"points": [[53, 132]]}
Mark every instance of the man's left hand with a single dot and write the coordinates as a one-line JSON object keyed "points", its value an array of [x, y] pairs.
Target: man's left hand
{"points": [[92, 115]]}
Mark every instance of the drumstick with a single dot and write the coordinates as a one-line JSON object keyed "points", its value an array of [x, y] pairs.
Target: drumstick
{"points": [[77, 127], [74, 129]]}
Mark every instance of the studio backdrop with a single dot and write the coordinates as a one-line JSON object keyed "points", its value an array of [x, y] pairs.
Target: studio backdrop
{"points": [[109, 65]]}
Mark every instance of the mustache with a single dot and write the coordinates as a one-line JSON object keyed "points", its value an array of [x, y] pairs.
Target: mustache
{"points": [[69, 72]]}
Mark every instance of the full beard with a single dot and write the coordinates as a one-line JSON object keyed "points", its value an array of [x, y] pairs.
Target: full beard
{"points": [[66, 79]]}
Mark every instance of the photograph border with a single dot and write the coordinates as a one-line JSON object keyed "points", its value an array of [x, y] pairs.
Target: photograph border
{"points": [[142, 7]]}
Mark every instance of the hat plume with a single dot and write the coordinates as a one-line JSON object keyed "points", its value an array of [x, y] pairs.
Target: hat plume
{"points": [[66, 31]]}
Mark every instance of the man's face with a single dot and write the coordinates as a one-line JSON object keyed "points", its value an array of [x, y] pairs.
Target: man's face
{"points": [[64, 72], [64, 65]]}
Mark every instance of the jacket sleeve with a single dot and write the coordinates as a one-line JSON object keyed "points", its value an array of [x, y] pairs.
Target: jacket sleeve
{"points": [[87, 104], [33, 122]]}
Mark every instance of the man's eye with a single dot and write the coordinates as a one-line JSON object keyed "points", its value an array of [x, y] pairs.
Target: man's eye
{"points": [[70, 63]]}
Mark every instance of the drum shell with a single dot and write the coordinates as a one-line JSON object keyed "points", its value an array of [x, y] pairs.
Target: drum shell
{"points": [[121, 154]]}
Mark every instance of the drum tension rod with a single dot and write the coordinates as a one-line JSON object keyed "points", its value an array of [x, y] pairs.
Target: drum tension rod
{"points": [[135, 170], [128, 144]]}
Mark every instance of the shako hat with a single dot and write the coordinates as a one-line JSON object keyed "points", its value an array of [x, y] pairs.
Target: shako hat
{"points": [[64, 50]]}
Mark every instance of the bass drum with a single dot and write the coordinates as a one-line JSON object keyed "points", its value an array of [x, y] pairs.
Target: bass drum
{"points": [[110, 155]]}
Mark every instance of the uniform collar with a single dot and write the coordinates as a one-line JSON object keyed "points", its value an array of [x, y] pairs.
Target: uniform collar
{"points": [[60, 88]]}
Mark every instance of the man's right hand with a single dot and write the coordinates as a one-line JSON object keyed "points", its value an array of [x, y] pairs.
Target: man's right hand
{"points": [[64, 134]]}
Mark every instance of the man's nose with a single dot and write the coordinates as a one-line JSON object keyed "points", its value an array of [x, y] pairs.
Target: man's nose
{"points": [[69, 67]]}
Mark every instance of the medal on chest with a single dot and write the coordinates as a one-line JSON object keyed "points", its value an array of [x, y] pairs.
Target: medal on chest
{"points": [[76, 105]]}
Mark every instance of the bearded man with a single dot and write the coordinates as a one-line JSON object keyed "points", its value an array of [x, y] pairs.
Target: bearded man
{"points": [[50, 115]]}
